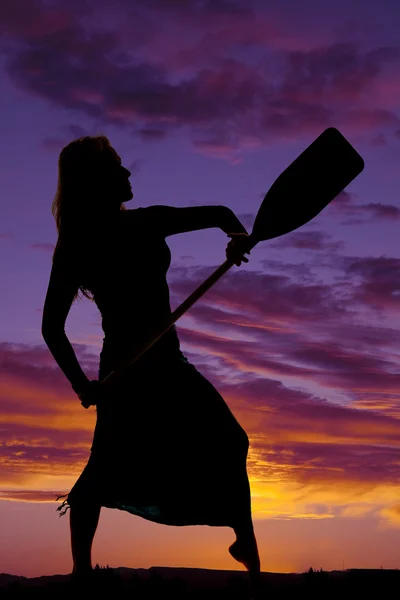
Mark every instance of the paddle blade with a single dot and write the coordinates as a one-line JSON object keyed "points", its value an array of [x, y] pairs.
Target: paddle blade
{"points": [[308, 185]]}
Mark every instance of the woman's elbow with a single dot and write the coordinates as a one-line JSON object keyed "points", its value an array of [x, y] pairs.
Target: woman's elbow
{"points": [[46, 332]]}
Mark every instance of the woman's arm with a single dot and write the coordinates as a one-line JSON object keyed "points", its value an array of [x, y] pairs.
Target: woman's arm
{"points": [[170, 220], [60, 294]]}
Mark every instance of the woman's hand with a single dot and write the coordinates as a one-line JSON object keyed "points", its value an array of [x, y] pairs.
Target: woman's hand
{"points": [[92, 394], [237, 247]]}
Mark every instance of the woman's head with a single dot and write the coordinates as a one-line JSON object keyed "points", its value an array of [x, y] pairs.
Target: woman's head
{"points": [[92, 186], [92, 183]]}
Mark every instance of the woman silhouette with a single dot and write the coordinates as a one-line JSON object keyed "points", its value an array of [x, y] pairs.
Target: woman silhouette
{"points": [[166, 446]]}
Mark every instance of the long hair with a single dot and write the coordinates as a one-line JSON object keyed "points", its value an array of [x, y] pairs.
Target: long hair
{"points": [[76, 207]]}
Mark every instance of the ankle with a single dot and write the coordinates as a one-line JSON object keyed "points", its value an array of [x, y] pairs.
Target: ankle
{"points": [[81, 569], [244, 534]]}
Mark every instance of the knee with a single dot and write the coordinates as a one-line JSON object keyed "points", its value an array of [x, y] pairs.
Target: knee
{"points": [[82, 503], [78, 501]]}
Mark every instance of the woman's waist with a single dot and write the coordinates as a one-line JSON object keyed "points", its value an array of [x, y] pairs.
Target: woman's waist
{"points": [[132, 335], [118, 347]]}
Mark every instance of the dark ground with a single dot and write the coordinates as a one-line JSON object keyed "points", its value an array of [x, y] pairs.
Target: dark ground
{"points": [[162, 583]]}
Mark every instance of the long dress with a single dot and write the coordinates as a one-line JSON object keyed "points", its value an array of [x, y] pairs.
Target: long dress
{"points": [[166, 446]]}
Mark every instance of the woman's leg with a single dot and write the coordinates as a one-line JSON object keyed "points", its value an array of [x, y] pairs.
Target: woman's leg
{"points": [[245, 549], [83, 521]]}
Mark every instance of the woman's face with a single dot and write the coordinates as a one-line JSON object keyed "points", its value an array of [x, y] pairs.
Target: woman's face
{"points": [[117, 177]]}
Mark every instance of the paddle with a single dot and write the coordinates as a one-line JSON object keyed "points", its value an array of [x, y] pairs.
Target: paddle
{"points": [[304, 188]]}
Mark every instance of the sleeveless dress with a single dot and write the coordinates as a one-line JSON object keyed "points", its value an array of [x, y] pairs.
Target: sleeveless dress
{"points": [[166, 446]]}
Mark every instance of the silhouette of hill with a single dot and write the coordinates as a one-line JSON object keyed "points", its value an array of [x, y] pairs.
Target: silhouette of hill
{"points": [[196, 584]]}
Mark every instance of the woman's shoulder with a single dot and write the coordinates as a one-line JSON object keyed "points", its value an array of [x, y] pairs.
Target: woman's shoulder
{"points": [[144, 218], [139, 212]]}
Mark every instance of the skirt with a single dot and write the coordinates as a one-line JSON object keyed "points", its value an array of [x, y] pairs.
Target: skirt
{"points": [[166, 447]]}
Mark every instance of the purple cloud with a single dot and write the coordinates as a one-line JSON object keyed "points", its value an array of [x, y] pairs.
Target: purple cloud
{"points": [[378, 281], [294, 327], [53, 144], [288, 344], [377, 210], [308, 240], [347, 205], [46, 246], [225, 103], [152, 134], [36, 365]]}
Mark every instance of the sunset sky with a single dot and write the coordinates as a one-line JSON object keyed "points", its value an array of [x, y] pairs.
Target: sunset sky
{"points": [[207, 101]]}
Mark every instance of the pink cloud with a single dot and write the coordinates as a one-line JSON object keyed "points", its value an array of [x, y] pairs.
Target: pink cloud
{"points": [[32, 20], [29, 495], [318, 463]]}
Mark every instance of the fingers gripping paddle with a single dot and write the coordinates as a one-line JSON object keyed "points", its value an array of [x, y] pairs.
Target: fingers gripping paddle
{"points": [[304, 188]]}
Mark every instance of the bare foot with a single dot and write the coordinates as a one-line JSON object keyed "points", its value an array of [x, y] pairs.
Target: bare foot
{"points": [[246, 552]]}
